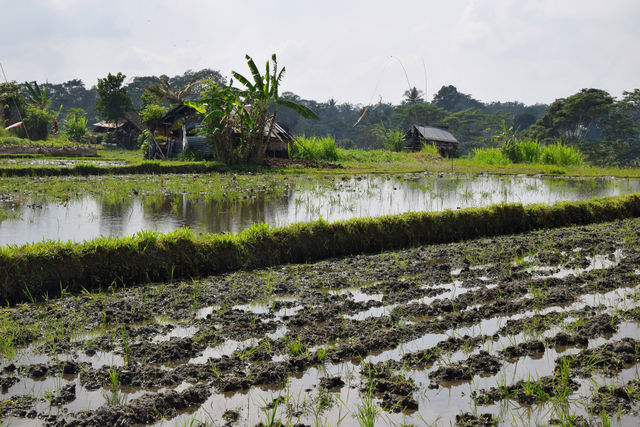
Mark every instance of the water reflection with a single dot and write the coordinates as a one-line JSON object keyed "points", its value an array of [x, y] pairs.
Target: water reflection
{"points": [[344, 197]]}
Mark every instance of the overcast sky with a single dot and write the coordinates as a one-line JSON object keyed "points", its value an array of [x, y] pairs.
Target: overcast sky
{"points": [[350, 50]]}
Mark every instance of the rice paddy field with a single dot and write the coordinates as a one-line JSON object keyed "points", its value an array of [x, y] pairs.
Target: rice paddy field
{"points": [[540, 328]]}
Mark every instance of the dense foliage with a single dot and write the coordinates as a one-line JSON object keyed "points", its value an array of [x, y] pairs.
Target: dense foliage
{"points": [[75, 125], [113, 99], [240, 122]]}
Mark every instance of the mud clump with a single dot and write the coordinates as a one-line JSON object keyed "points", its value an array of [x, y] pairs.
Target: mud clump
{"points": [[67, 394], [563, 340], [174, 349], [395, 391], [146, 409], [617, 399], [478, 364], [608, 358], [529, 392], [470, 420], [331, 383], [531, 348]]}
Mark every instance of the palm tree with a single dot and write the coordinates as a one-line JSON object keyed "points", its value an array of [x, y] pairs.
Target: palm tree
{"points": [[412, 96], [163, 90]]}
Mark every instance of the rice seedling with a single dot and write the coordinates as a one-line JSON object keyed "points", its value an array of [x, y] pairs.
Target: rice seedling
{"points": [[296, 347], [270, 412], [125, 344], [367, 410]]}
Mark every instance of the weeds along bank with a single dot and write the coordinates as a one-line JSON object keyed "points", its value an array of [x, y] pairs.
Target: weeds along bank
{"points": [[80, 169], [46, 269]]}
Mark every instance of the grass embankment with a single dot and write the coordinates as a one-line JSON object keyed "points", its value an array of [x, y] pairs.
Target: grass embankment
{"points": [[144, 167], [35, 270]]}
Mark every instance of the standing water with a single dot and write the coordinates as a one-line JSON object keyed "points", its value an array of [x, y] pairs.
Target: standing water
{"points": [[87, 217]]}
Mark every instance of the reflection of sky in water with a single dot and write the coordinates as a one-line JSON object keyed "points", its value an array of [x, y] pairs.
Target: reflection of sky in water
{"points": [[88, 217]]}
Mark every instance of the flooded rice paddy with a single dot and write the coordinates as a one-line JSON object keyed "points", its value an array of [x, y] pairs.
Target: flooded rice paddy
{"points": [[539, 328], [80, 209]]}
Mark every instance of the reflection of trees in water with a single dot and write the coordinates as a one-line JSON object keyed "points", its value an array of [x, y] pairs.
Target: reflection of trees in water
{"points": [[212, 216], [372, 196], [114, 215]]}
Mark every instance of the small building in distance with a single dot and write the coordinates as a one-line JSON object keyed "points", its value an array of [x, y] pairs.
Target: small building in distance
{"points": [[124, 133], [446, 143]]}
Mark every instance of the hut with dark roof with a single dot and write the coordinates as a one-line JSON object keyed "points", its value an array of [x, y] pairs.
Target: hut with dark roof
{"points": [[417, 136]]}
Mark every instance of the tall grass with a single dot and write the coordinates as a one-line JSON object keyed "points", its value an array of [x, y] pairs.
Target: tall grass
{"points": [[430, 149], [522, 151], [393, 139], [561, 155], [314, 148], [490, 156], [529, 151]]}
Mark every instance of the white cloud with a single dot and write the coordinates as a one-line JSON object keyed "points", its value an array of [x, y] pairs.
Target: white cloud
{"points": [[494, 49]]}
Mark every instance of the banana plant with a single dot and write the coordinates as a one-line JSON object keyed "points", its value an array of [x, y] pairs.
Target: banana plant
{"points": [[265, 88], [37, 97], [240, 121]]}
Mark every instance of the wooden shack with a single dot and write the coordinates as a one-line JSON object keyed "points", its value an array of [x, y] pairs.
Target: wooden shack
{"points": [[125, 132], [186, 119], [446, 143]]}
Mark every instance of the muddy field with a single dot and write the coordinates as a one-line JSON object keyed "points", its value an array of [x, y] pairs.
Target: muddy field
{"points": [[540, 328]]}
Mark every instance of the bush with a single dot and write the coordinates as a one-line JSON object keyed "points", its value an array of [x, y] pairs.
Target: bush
{"points": [[393, 139], [530, 151], [314, 148], [521, 151], [152, 114], [490, 156], [37, 123], [561, 155], [75, 125], [430, 149]]}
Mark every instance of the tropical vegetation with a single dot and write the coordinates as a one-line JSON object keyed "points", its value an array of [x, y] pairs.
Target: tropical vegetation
{"points": [[240, 122]]}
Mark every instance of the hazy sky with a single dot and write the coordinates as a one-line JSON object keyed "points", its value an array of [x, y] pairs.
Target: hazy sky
{"points": [[350, 50]]}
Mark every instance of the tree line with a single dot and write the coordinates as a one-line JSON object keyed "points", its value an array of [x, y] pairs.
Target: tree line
{"points": [[606, 129]]}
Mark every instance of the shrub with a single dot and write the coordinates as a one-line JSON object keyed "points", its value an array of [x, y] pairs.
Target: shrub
{"points": [[490, 156], [521, 151], [314, 148], [152, 114], [561, 155], [37, 123], [75, 124], [393, 139], [530, 151], [430, 149]]}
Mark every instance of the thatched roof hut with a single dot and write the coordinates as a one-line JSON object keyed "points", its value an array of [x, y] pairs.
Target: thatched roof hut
{"points": [[446, 143]]}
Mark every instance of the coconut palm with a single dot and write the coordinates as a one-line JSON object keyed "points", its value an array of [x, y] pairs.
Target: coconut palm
{"points": [[412, 96], [163, 90]]}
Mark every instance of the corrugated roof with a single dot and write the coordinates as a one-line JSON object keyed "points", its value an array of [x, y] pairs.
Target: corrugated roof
{"points": [[109, 125], [435, 134]]}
